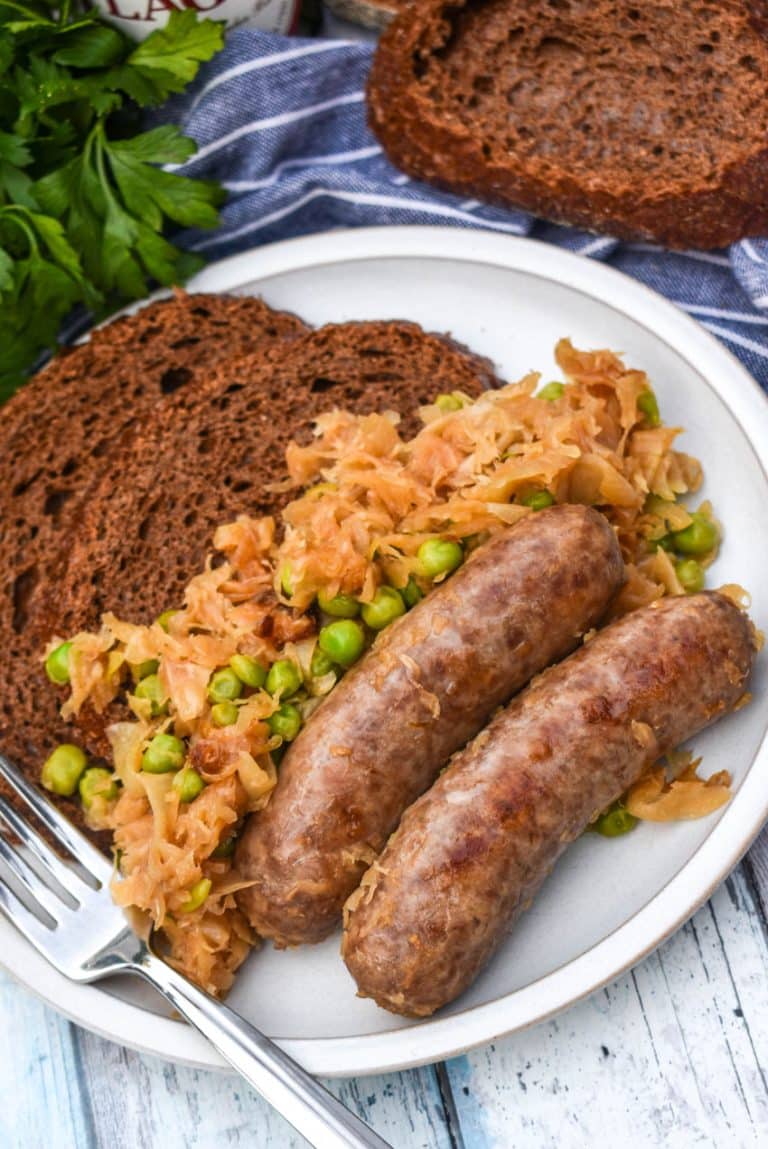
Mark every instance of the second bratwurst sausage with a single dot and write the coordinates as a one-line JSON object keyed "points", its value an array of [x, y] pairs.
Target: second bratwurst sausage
{"points": [[470, 854], [427, 685]]}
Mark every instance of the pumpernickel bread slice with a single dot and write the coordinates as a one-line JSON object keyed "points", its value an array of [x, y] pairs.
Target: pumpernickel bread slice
{"points": [[59, 432], [639, 120], [148, 523], [56, 430]]}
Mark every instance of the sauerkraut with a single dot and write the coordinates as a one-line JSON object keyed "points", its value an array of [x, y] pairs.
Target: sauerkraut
{"points": [[366, 500]]}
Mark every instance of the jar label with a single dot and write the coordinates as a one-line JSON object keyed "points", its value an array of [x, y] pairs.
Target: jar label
{"points": [[137, 18]]}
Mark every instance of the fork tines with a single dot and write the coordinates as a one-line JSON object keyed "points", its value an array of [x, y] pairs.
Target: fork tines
{"points": [[95, 868]]}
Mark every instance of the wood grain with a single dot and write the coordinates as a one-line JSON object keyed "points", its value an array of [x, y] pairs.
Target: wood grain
{"points": [[44, 1103], [756, 868], [674, 1053], [65, 1088]]}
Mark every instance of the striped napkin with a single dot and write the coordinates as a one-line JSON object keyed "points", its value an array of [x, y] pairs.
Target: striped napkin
{"points": [[280, 122]]}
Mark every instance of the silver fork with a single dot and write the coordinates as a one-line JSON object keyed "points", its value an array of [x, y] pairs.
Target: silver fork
{"points": [[71, 919]]}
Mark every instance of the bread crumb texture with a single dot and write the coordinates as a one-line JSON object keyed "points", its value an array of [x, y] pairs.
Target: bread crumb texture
{"points": [[596, 112]]}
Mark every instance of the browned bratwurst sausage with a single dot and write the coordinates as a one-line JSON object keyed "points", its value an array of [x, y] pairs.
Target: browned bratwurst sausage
{"points": [[470, 854], [427, 686]]}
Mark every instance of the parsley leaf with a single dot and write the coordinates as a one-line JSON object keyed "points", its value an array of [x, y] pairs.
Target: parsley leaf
{"points": [[14, 150], [167, 60], [15, 184], [151, 193], [85, 205], [112, 199], [90, 46], [40, 280]]}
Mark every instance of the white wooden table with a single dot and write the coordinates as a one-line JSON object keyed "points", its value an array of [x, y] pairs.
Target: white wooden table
{"points": [[673, 1054]]}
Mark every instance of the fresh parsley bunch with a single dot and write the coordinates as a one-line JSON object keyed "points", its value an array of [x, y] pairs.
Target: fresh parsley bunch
{"points": [[84, 208]]}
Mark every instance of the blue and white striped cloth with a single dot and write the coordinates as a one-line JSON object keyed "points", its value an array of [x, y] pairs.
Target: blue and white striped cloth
{"points": [[281, 123]]}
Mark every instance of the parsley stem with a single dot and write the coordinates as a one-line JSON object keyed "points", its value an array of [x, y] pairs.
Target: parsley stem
{"points": [[31, 13], [99, 139], [14, 213], [83, 216]]}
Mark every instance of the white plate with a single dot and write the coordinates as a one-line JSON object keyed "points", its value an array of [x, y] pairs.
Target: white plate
{"points": [[608, 903]]}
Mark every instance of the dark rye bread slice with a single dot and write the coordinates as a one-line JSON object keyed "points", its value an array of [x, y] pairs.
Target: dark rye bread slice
{"points": [[56, 430], [149, 521], [149, 524], [54, 437], [642, 120]]}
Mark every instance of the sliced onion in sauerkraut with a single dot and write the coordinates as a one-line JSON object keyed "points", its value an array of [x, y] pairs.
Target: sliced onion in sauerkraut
{"points": [[658, 798]]}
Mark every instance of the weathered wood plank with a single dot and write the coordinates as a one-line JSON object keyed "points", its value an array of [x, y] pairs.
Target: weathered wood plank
{"points": [[43, 1103], [756, 864], [64, 1088], [143, 1101], [674, 1053]]}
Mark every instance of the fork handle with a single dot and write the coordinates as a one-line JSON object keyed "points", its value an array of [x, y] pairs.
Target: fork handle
{"points": [[294, 1093]]}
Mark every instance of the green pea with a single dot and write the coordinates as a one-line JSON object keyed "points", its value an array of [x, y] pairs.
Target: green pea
{"points": [[63, 769], [648, 405], [340, 606], [615, 821], [163, 619], [698, 538], [321, 489], [321, 664], [285, 722], [151, 688], [439, 556], [448, 403], [551, 391], [248, 670], [144, 669], [197, 895], [224, 714], [57, 664], [284, 678], [343, 641], [224, 686], [664, 543], [412, 593], [163, 754], [97, 783], [286, 580], [226, 848], [385, 607], [690, 575], [538, 500], [189, 784]]}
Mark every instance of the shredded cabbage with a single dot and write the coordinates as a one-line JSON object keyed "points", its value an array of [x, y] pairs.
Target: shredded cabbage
{"points": [[677, 792], [370, 499]]}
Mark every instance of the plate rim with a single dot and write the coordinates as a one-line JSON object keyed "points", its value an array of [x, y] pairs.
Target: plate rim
{"points": [[434, 1039]]}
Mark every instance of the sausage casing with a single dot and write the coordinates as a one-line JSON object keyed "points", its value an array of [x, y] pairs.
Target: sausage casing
{"points": [[471, 853], [427, 685]]}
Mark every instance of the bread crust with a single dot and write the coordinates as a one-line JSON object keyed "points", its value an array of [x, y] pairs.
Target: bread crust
{"points": [[210, 452], [135, 517], [444, 151], [56, 434]]}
